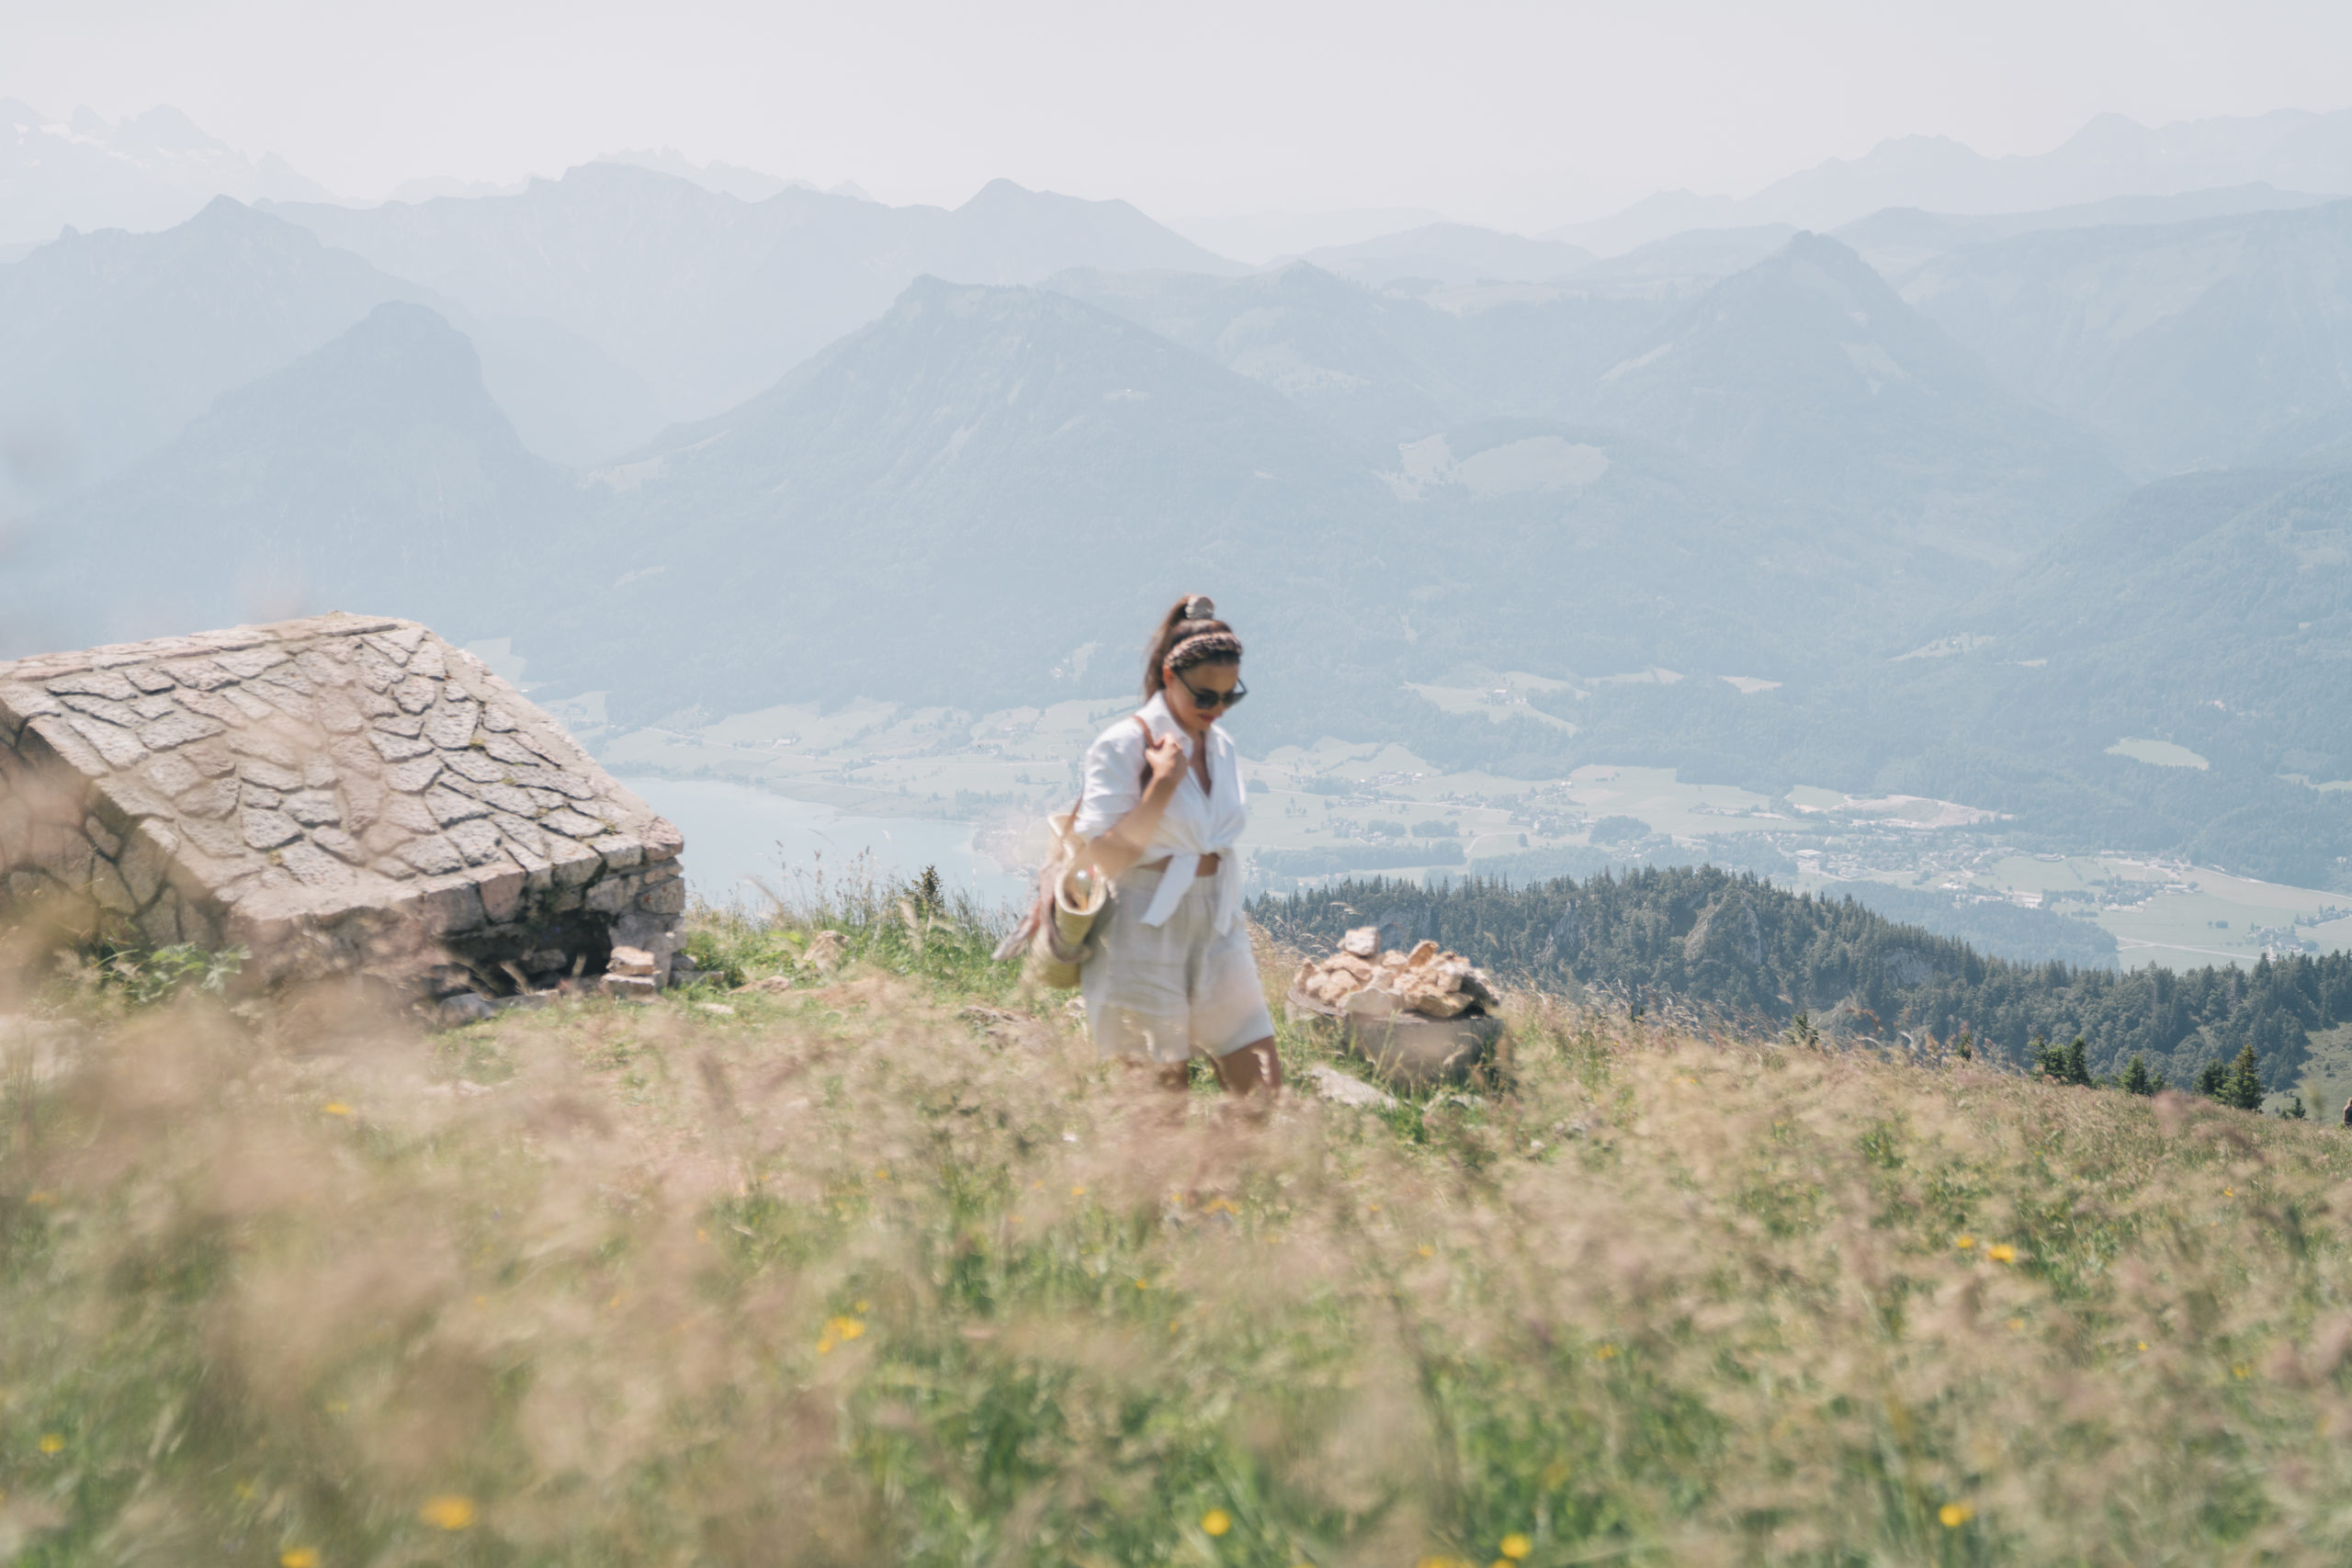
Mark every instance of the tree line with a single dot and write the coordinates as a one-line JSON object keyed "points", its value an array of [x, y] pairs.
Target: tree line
{"points": [[1737, 945]]}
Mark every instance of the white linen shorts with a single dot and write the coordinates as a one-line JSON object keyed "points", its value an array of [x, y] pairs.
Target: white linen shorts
{"points": [[1163, 994]]}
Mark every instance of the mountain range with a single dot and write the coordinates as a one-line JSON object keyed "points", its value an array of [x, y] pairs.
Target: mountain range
{"points": [[709, 298], [146, 172], [2110, 156], [1956, 522]]}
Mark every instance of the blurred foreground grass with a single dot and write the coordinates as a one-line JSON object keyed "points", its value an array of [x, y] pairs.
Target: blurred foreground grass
{"points": [[882, 1267]]}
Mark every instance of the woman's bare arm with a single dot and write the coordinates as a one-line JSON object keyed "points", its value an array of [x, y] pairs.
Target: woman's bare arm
{"points": [[1124, 842]]}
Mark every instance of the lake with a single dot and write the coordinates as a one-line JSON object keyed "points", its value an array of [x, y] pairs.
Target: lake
{"points": [[735, 832]]}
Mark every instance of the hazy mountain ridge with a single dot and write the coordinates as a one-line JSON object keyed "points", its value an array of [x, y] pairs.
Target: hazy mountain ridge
{"points": [[2222, 341], [116, 341], [712, 298], [148, 171], [1450, 253], [1807, 374], [2110, 156], [375, 473]]}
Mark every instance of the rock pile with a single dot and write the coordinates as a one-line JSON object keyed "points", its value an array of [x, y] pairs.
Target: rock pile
{"points": [[1363, 981]]}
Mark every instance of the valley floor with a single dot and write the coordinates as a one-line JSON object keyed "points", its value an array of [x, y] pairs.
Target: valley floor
{"points": [[1359, 807], [881, 1265]]}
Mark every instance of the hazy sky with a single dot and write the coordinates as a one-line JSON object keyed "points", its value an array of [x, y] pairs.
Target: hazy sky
{"points": [[1523, 115]]}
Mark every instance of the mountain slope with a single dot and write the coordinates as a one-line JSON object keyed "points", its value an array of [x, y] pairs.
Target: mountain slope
{"points": [[983, 487], [1381, 365], [991, 489], [1450, 253], [712, 298], [1379, 368], [1809, 376], [114, 342], [2199, 344], [375, 473]]}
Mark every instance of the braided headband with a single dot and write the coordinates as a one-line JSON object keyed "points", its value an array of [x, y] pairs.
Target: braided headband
{"points": [[1201, 647]]}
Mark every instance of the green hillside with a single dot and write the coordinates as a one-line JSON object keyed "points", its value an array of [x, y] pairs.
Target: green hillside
{"points": [[884, 1266]]}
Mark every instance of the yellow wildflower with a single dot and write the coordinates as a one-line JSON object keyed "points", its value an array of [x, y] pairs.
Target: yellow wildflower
{"points": [[1428, 1251], [336, 1108], [1955, 1515], [2144, 1344], [297, 1557], [1964, 1243], [40, 1197], [1078, 1191], [1217, 1521], [51, 1443], [1515, 1546], [1607, 1352], [2002, 1253], [448, 1511], [2240, 1371]]}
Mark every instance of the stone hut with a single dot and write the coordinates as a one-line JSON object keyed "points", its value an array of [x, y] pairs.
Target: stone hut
{"points": [[337, 794]]}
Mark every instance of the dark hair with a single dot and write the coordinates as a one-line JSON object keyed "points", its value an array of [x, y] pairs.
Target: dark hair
{"points": [[1193, 615]]}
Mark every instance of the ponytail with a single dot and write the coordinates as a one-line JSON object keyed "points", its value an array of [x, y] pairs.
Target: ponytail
{"points": [[1191, 632]]}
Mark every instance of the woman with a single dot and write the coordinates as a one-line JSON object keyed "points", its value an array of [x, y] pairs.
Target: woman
{"points": [[1170, 971]]}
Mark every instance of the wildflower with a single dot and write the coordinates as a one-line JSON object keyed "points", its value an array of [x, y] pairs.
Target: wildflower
{"points": [[1078, 1191], [2002, 1253], [51, 1443], [336, 1108], [882, 1173], [1217, 1521], [297, 1557], [40, 1197], [2241, 1372], [860, 1307], [448, 1511], [1607, 1352], [1964, 1243], [2229, 1191], [2144, 1344], [838, 1331], [2017, 1325], [1515, 1546], [1955, 1515], [1428, 1251]]}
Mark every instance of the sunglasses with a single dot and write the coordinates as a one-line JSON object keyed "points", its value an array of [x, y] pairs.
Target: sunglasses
{"points": [[1208, 702]]}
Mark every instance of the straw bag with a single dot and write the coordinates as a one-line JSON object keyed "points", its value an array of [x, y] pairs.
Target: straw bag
{"points": [[1053, 934]]}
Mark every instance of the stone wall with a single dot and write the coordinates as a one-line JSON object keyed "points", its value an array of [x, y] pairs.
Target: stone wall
{"points": [[337, 794]]}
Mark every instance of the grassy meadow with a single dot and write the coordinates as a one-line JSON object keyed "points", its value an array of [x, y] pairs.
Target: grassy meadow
{"points": [[876, 1264]]}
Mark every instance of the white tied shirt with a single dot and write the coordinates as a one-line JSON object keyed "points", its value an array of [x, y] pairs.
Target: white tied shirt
{"points": [[1196, 823]]}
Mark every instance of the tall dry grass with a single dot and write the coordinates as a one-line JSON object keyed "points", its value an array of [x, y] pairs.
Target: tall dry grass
{"points": [[884, 1267]]}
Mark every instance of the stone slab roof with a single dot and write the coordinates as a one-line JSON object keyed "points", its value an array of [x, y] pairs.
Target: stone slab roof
{"points": [[310, 768]]}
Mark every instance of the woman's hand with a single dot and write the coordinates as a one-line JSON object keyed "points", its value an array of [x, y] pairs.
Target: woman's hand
{"points": [[1111, 855], [1166, 759]]}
